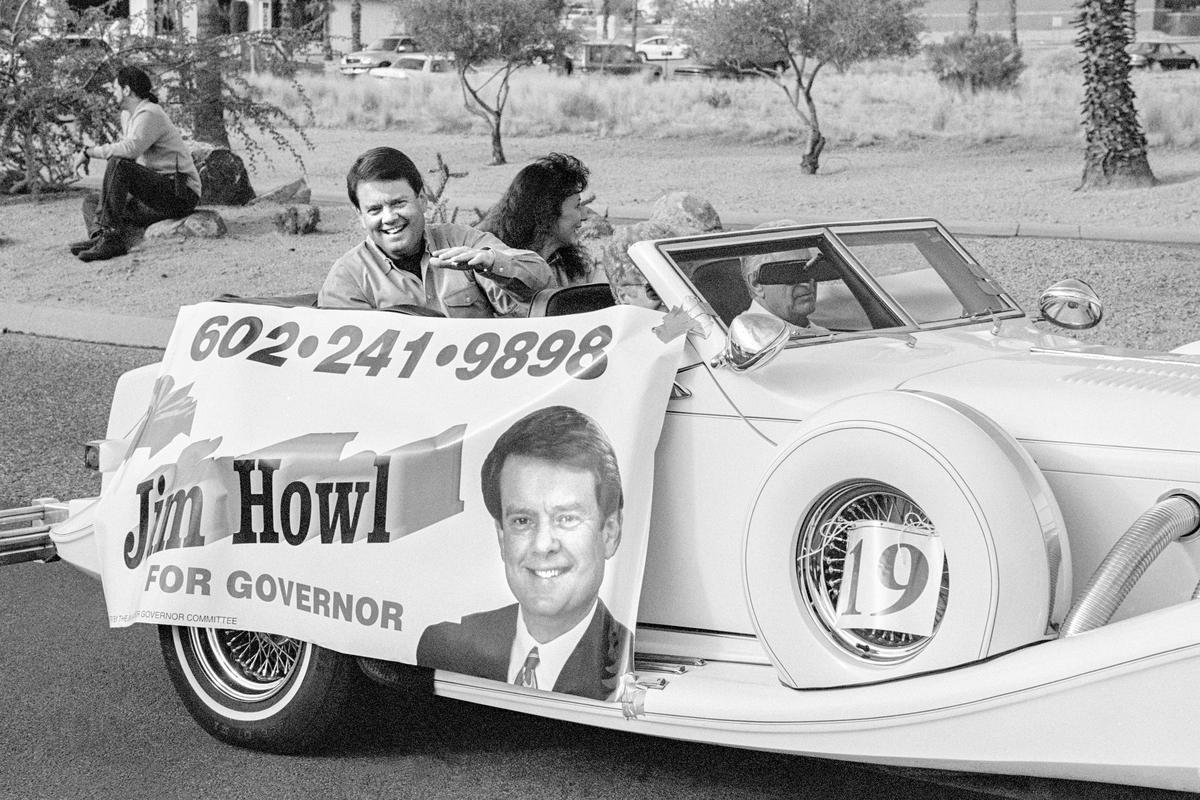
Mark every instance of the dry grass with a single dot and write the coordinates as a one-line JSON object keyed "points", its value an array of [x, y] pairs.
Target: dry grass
{"points": [[890, 103]]}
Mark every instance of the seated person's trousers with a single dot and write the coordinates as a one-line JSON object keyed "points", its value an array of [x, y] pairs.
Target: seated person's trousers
{"points": [[134, 196]]}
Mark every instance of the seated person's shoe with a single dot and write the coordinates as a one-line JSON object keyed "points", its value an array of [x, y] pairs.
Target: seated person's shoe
{"points": [[110, 245], [84, 244]]}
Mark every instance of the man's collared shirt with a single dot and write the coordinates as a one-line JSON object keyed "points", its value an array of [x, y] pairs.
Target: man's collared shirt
{"points": [[553, 654], [149, 137], [793, 329], [366, 278]]}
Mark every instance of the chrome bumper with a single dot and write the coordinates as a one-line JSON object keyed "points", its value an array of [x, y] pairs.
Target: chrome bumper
{"points": [[25, 531]]}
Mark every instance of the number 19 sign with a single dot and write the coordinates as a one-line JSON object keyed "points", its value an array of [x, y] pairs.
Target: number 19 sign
{"points": [[891, 579]]}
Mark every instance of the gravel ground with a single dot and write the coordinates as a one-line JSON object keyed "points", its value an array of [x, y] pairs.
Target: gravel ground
{"points": [[1148, 289]]}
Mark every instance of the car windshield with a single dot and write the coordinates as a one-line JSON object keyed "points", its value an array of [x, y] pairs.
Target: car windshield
{"points": [[383, 44], [845, 279]]}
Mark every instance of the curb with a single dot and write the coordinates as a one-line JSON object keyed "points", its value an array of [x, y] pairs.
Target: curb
{"points": [[86, 326]]}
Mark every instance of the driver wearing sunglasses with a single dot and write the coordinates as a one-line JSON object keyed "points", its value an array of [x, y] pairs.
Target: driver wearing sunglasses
{"points": [[784, 284]]}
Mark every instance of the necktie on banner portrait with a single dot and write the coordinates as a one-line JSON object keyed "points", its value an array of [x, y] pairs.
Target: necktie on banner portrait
{"points": [[527, 675]]}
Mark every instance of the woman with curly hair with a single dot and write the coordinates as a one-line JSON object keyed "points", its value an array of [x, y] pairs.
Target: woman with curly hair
{"points": [[541, 211]]}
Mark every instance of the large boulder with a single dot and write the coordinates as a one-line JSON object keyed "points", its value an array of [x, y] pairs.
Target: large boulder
{"points": [[202, 222], [613, 255], [685, 212], [297, 220], [295, 192], [223, 176]]}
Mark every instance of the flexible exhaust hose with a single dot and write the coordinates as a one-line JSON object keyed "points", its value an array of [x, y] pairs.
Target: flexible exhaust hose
{"points": [[1164, 522]]}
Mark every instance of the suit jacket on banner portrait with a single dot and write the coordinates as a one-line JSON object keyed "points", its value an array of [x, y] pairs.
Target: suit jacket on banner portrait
{"points": [[480, 645]]}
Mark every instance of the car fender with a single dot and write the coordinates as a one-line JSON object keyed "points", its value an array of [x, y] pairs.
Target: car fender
{"points": [[1006, 580]]}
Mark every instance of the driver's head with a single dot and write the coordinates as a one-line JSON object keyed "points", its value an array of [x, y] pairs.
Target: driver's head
{"points": [[792, 302]]}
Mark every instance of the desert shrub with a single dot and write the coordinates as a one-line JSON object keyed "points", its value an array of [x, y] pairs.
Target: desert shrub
{"points": [[1170, 115], [1056, 61], [975, 63], [717, 98], [880, 103], [581, 104], [51, 93]]}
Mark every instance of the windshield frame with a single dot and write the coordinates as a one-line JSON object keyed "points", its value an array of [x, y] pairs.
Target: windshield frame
{"points": [[684, 251]]}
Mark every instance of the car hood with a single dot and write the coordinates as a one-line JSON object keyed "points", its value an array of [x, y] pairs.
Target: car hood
{"points": [[1037, 387], [1107, 397]]}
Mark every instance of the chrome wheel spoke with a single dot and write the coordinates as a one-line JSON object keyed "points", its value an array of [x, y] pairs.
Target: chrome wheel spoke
{"points": [[821, 553]]}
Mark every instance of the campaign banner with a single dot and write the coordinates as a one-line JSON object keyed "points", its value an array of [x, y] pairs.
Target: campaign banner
{"points": [[471, 495]]}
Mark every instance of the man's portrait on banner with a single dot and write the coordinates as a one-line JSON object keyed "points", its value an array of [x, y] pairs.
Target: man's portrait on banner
{"points": [[553, 489]]}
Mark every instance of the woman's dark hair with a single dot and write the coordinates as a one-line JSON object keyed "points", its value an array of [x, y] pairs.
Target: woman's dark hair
{"points": [[137, 81], [527, 213]]}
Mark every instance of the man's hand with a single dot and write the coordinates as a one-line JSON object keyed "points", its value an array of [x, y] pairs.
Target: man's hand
{"points": [[676, 323], [82, 164], [463, 257]]}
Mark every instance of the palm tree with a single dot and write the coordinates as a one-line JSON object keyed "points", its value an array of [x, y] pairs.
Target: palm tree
{"points": [[972, 17], [355, 25], [208, 113], [1012, 21], [1115, 149]]}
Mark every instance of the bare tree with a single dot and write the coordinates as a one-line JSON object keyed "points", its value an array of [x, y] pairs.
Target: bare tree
{"points": [[791, 41], [490, 40], [1115, 145]]}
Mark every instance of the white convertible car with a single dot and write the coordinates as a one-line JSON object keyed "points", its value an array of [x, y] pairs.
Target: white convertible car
{"points": [[928, 532]]}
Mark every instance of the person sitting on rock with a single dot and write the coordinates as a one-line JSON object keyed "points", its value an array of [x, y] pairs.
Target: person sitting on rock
{"points": [[150, 175]]}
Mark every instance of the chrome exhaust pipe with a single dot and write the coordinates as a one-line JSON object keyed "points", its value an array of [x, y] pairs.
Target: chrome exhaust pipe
{"points": [[1172, 518], [25, 532]]}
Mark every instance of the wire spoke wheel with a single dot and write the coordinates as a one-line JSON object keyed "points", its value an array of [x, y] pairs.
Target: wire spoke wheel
{"points": [[260, 690], [248, 666], [821, 556]]}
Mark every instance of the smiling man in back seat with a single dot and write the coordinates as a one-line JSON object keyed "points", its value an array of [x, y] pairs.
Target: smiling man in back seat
{"points": [[449, 268]]}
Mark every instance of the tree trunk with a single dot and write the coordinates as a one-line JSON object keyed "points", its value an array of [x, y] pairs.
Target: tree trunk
{"points": [[355, 25], [497, 146], [812, 156], [1012, 21], [972, 17], [1115, 145], [208, 113]]}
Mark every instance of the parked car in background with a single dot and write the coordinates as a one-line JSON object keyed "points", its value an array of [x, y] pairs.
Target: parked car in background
{"points": [[580, 11], [379, 53], [1161, 55], [610, 58], [662, 48], [735, 70], [414, 64]]}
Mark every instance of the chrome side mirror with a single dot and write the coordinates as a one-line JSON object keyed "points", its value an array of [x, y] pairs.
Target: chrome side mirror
{"points": [[1071, 304], [754, 339]]}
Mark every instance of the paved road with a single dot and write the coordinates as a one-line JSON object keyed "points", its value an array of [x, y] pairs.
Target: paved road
{"points": [[87, 712]]}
